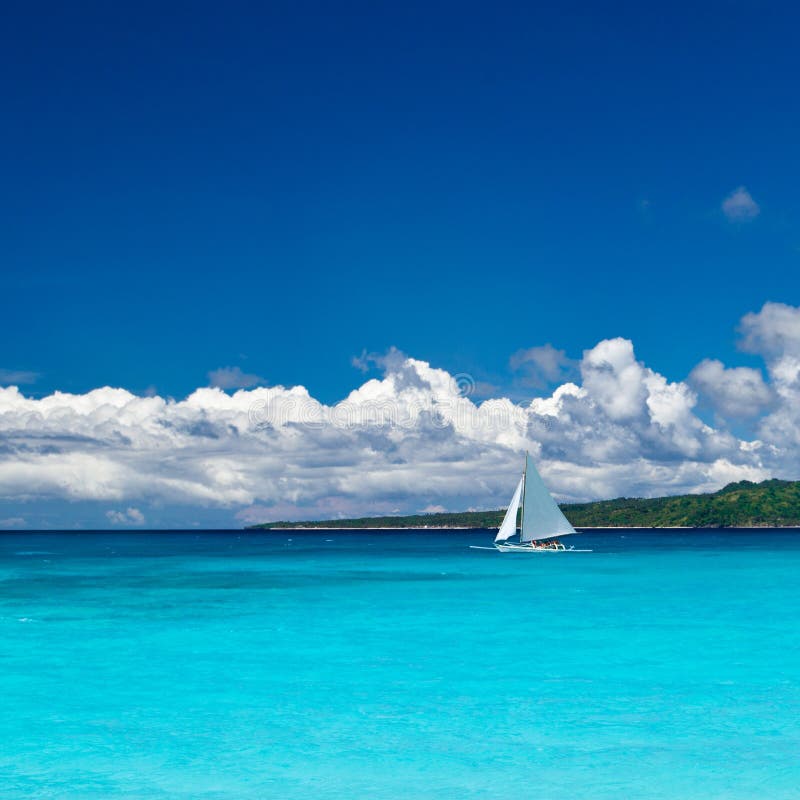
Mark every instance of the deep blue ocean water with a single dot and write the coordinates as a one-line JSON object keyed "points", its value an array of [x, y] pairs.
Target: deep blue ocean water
{"points": [[399, 665]]}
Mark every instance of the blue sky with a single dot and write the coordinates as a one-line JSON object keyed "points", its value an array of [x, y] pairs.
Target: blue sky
{"points": [[281, 187], [278, 188]]}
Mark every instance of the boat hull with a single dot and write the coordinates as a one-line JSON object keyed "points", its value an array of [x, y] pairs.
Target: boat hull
{"points": [[526, 548]]}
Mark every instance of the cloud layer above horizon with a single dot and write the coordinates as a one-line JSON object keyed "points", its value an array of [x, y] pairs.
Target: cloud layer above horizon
{"points": [[412, 439]]}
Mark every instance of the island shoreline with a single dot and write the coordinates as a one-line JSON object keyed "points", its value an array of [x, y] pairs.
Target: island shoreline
{"points": [[770, 504], [581, 528]]}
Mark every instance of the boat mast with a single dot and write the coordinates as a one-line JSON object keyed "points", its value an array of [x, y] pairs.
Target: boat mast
{"points": [[522, 515]]}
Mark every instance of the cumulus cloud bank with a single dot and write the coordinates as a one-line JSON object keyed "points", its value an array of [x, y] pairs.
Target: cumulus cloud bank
{"points": [[411, 439]]}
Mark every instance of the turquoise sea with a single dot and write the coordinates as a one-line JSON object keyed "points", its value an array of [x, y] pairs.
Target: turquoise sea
{"points": [[399, 665]]}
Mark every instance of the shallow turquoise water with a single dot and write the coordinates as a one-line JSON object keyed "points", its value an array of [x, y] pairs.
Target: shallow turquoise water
{"points": [[662, 665]]}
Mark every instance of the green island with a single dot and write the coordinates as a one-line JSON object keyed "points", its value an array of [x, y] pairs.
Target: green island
{"points": [[772, 503]]}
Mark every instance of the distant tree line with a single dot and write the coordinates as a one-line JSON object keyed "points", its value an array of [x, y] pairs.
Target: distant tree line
{"points": [[772, 503]]}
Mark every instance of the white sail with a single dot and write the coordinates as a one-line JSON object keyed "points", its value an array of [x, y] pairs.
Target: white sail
{"points": [[541, 517], [509, 526]]}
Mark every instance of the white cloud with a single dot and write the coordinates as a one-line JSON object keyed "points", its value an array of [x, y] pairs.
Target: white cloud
{"points": [[12, 522], [406, 441], [541, 365], [17, 377], [615, 379], [739, 206], [735, 393], [131, 516], [387, 361], [233, 378], [774, 334], [773, 331]]}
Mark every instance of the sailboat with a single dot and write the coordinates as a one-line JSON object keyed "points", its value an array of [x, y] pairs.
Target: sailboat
{"points": [[542, 522]]}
